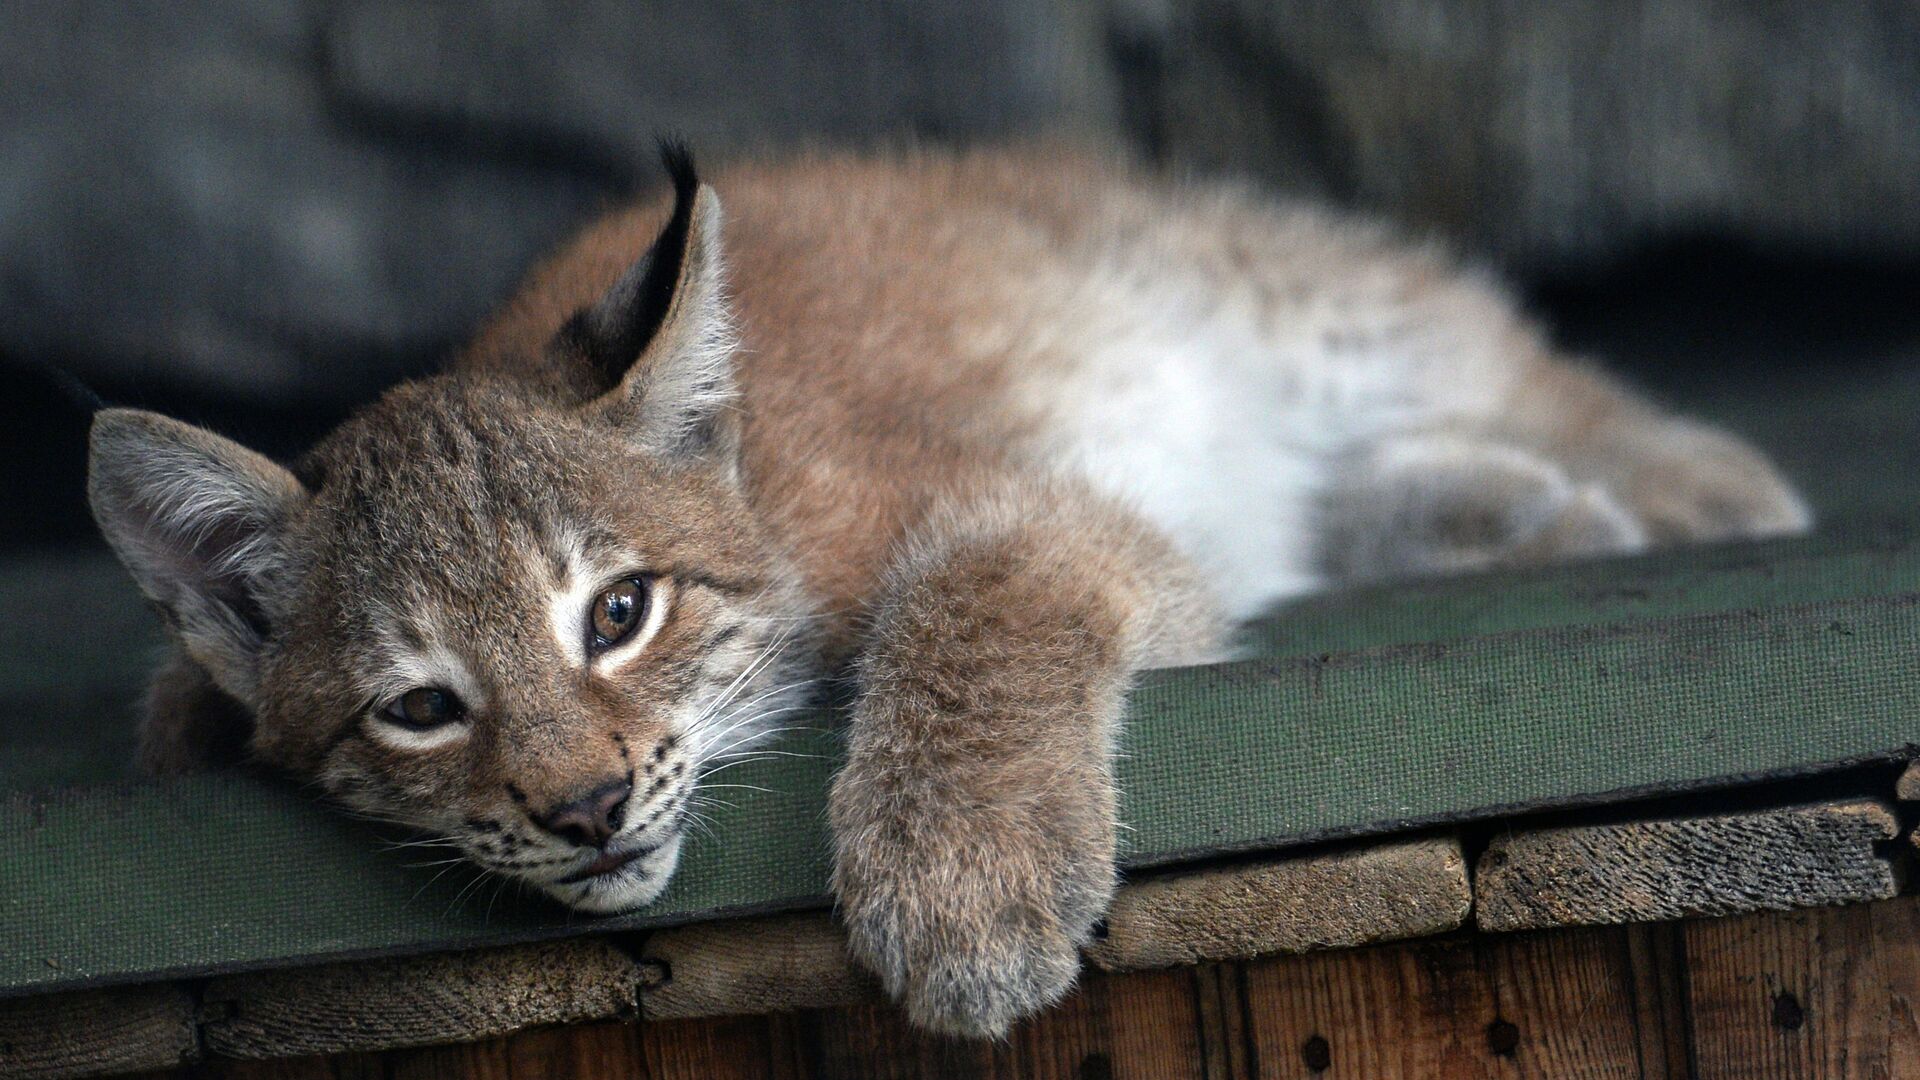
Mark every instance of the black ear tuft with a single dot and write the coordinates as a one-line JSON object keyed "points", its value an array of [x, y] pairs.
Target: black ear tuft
{"points": [[677, 159], [83, 397], [613, 333], [654, 355]]}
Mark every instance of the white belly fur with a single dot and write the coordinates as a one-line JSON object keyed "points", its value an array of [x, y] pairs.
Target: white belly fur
{"points": [[1195, 449], [1220, 411]]}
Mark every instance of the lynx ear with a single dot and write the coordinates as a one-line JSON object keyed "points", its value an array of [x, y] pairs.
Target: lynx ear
{"points": [[658, 347], [198, 520]]}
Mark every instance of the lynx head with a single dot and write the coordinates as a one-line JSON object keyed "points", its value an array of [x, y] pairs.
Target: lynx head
{"points": [[522, 621]]}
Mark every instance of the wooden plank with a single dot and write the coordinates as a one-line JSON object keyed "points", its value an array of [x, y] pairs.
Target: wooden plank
{"points": [[383, 1004], [1655, 1001], [1149, 1025], [1563, 1006], [470, 1061], [1224, 1020], [724, 1048], [1533, 1005], [1152, 1028], [1828, 994], [96, 1031], [1375, 893], [1721, 864], [1656, 962], [1907, 788], [1358, 896], [1146, 1026], [751, 966]]}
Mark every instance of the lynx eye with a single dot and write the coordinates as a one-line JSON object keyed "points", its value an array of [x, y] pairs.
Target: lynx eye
{"points": [[618, 611], [423, 708]]}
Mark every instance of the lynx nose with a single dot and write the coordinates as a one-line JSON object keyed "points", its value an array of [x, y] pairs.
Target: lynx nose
{"points": [[589, 821]]}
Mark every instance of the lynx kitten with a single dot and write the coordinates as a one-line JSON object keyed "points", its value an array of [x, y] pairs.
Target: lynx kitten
{"points": [[985, 433]]}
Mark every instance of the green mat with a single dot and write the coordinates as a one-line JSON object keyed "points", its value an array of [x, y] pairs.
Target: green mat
{"points": [[1370, 712]]}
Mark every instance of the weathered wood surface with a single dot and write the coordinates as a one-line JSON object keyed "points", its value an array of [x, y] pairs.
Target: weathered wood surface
{"points": [[1560, 1005], [1820, 995], [382, 1004], [1359, 896], [1826, 994], [1340, 899], [89, 1032], [751, 966], [1720, 864], [1907, 788]]}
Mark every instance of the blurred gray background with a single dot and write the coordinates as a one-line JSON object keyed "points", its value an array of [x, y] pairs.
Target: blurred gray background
{"points": [[255, 215]]}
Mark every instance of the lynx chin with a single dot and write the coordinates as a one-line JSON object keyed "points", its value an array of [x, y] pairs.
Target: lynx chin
{"points": [[985, 433]]}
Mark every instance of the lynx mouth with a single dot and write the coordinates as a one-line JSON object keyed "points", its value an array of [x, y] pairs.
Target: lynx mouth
{"points": [[608, 863], [620, 880]]}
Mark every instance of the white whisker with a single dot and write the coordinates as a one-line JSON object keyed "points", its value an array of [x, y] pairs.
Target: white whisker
{"points": [[429, 842], [767, 655], [431, 880], [763, 695], [724, 768], [470, 886], [753, 719]]}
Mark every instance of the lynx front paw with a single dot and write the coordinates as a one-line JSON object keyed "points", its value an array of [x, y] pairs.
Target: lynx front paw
{"points": [[972, 916]]}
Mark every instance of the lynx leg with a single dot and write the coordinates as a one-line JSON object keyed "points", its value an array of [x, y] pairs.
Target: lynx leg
{"points": [[1681, 479], [1445, 503], [974, 820]]}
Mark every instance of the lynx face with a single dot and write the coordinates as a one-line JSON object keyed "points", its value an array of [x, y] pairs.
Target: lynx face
{"points": [[523, 621], [525, 636]]}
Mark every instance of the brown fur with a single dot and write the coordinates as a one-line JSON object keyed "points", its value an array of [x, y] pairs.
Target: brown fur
{"points": [[867, 485]]}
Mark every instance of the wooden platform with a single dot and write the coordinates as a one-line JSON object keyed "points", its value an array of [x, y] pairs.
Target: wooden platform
{"points": [[1827, 993]]}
